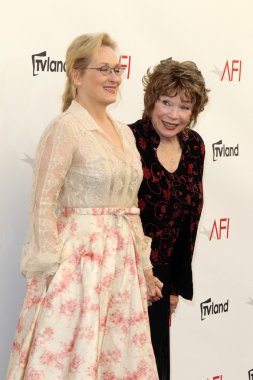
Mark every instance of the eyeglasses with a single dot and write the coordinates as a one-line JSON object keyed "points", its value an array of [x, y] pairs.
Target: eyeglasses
{"points": [[107, 70]]}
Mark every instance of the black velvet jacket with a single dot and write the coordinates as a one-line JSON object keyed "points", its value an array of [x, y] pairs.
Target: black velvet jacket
{"points": [[171, 204]]}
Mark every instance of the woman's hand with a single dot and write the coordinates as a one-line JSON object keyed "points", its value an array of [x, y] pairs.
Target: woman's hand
{"points": [[173, 303], [154, 286]]}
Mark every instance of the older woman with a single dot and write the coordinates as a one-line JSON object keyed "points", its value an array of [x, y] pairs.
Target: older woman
{"points": [[170, 196]]}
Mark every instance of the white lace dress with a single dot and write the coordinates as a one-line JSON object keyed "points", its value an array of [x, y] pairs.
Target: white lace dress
{"points": [[91, 323]]}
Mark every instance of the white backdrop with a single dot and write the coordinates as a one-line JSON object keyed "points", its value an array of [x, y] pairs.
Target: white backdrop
{"points": [[212, 340]]}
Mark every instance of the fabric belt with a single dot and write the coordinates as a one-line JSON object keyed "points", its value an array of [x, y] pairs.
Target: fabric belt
{"points": [[117, 211]]}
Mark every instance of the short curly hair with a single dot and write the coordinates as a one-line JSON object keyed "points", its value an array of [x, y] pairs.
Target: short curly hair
{"points": [[171, 77]]}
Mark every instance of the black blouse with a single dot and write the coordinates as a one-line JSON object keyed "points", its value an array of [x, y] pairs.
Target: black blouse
{"points": [[171, 204]]}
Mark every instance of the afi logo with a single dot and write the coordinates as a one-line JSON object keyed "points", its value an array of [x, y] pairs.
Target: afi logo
{"points": [[250, 374], [125, 61], [216, 378], [235, 66], [42, 63], [220, 228]]}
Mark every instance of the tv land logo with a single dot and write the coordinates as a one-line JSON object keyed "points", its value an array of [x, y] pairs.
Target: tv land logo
{"points": [[209, 308], [250, 374], [231, 72], [42, 63], [220, 150]]}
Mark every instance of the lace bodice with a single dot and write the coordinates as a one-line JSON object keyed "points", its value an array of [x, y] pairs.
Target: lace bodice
{"points": [[77, 165]]}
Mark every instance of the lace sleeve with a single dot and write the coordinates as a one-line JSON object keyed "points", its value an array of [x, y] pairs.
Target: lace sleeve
{"points": [[41, 253], [143, 242]]}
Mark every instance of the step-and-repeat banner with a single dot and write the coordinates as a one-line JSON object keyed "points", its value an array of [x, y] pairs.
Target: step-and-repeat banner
{"points": [[212, 336]]}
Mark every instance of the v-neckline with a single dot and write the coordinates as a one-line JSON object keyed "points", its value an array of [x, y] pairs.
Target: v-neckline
{"points": [[163, 167]]}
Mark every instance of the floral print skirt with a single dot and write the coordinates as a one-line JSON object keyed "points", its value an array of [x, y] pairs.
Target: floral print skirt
{"points": [[91, 322]]}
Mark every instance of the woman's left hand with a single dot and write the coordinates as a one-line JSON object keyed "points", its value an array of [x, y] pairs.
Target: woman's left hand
{"points": [[154, 286], [173, 303]]}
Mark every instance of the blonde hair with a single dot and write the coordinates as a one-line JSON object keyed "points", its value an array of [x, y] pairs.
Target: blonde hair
{"points": [[78, 56], [171, 77]]}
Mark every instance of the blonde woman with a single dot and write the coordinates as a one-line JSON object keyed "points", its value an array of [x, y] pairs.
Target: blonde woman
{"points": [[86, 258]]}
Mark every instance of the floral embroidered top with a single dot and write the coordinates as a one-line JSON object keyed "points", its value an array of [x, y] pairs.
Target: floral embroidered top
{"points": [[171, 204], [78, 166]]}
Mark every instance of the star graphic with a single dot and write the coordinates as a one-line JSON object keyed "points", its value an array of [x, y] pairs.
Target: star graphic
{"points": [[219, 73], [29, 160], [250, 301], [206, 232]]}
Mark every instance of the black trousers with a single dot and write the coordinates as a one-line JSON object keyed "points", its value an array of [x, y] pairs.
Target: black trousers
{"points": [[159, 314]]}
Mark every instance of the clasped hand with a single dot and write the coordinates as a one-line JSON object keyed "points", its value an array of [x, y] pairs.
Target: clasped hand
{"points": [[154, 286]]}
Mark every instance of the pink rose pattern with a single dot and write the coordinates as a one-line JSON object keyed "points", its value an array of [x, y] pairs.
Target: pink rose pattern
{"points": [[91, 323]]}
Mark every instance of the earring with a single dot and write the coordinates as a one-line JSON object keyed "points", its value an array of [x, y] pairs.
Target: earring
{"points": [[186, 131]]}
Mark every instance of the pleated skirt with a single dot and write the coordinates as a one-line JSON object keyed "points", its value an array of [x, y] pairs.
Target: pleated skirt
{"points": [[92, 321]]}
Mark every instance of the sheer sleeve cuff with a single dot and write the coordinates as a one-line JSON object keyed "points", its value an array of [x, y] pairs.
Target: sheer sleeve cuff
{"points": [[38, 264], [145, 253], [142, 242]]}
